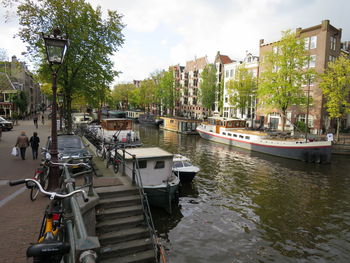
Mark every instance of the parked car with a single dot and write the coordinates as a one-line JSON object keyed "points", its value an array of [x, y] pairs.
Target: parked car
{"points": [[68, 146], [5, 125]]}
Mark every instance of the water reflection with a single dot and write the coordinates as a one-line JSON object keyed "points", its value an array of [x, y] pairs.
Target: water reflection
{"points": [[251, 207]]}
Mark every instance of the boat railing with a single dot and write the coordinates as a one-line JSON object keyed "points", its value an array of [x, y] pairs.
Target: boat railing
{"points": [[137, 181]]}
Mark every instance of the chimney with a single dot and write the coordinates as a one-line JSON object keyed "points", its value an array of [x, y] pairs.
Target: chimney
{"points": [[261, 42], [325, 24]]}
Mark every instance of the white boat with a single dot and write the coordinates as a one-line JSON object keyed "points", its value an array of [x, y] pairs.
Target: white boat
{"points": [[184, 168], [119, 130], [157, 179], [233, 132]]}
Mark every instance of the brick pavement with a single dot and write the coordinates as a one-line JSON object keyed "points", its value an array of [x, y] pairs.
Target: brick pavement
{"points": [[20, 218]]}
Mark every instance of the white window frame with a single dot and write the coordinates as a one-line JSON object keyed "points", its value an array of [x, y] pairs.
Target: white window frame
{"points": [[313, 42], [306, 43], [312, 62]]}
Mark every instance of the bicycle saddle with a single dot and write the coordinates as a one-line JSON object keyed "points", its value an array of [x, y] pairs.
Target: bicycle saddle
{"points": [[48, 250]]}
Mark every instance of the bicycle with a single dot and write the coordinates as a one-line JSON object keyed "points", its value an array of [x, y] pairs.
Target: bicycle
{"points": [[113, 159], [42, 176], [50, 246]]}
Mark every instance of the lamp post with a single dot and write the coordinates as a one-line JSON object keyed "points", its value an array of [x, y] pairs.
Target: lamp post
{"points": [[56, 47], [61, 104]]}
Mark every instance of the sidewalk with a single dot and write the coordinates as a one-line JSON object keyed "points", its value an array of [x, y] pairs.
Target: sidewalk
{"points": [[20, 218]]}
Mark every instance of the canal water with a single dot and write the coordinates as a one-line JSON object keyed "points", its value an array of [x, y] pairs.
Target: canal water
{"points": [[250, 207]]}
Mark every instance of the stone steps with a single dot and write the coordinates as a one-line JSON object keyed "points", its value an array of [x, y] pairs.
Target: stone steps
{"points": [[121, 228], [139, 257], [118, 212]]}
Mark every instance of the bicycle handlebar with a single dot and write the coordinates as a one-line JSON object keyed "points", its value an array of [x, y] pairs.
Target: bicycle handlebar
{"points": [[52, 195], [71, 164]]}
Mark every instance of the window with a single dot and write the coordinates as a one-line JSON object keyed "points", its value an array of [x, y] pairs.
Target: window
{"points": [[313, 42], [231, 73], [306, 43], [241, 136], [331, 58], [312, 62], [247, 137], [142, 164], [234, 135], [159, 165], [177, 164], [224, 133], [333, 43], [229, 134], [275, 50], [187, 164], [226, 73]]}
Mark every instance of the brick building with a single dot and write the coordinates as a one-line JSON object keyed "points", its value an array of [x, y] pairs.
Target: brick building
{"points": [[190, 103], [323, 44]]}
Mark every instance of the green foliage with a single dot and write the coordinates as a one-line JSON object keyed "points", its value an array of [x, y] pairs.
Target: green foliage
{"points": [[21, 102], [124, 94], [280, 84], [208, 88], [335, 85], [300, 126], [87, 69], [242, 89], [168, 94]]}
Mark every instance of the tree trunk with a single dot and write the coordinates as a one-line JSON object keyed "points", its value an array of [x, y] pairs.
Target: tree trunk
{"points": [[283, 117], [338, 128]]}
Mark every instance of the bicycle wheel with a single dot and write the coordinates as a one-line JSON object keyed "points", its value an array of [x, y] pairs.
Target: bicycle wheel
{"points": [[44, 179], [115, 166], [34, 191]]}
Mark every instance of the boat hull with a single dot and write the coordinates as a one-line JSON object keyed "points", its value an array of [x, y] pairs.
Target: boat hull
{"points": [[186, 177], [162, 197], [309, 152]]}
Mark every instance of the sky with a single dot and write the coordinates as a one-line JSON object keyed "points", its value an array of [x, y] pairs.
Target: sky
{"points": [[160, 33]]}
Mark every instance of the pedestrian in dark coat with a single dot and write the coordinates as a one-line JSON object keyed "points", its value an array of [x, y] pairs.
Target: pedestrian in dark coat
{"points": [[22, 143], [34, 143]]}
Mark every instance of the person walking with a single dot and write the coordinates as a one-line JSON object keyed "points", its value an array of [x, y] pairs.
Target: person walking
{"points": [[35, 119], [43, 119], [34, 143], [22, 143]]}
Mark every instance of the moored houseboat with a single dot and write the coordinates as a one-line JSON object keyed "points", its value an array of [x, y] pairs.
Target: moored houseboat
{"points": [[119, 130], [150, 119], [157, 178], [134, 114], [233, 132], [181, 125]]}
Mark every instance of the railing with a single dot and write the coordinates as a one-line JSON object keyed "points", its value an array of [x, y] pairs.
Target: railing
{"points": [[81, 244], [136, 180]]}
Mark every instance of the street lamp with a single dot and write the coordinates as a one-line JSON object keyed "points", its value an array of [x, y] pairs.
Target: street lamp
{"points": [[61, 104], [56, 47]]}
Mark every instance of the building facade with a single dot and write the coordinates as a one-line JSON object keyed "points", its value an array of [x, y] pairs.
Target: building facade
{"points": [[189, 99], [15, 78], [220, 62], [251, 63], [322, 44]]}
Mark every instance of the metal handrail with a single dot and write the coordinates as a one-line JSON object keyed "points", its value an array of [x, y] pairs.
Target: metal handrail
{"points": [[144, 200], [76, 231]]}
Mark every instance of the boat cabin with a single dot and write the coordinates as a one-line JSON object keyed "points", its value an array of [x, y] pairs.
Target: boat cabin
{"points": [[134, 114], [155, 164], [116, 124], [227, 123], [181, 125]]}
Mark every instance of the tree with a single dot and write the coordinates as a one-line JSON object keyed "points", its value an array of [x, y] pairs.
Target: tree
{"points": [[208, 88], [242, 89], [21, 102], [92, 41], [167, 90], [280, 84], [335, 85], [122, 93]]}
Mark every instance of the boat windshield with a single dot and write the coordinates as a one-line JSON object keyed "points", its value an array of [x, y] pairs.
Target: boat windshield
{"points": [[177, 164], [187, 164]]}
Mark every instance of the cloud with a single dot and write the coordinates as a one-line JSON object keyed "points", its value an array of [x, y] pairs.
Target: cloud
{"points": [[160, 33]]}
